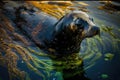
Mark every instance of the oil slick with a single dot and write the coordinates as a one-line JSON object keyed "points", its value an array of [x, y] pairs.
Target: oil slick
{"points": [[91, 49]]}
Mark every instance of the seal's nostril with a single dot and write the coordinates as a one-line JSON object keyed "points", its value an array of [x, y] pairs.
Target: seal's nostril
{"points": [[95, 30]]}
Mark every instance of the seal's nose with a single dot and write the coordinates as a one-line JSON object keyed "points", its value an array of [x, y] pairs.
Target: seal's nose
{"points": [[95, 30]]}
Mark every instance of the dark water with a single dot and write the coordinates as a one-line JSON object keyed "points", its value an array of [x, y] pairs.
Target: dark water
{"points": [[110, 68], [101, 55], [106, 70]]}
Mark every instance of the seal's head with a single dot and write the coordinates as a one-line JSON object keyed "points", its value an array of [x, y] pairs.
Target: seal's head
{"points": [[71, 30]]}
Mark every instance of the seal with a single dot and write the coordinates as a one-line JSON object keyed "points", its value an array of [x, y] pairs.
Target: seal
{"points": [[59, 37]]}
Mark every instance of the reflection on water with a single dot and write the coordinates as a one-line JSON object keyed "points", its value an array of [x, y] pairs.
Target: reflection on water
{"points": [[22, 61]]}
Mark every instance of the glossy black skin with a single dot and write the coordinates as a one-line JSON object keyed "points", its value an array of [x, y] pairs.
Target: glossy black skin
{"points": [[63, 40], [54, 34]]}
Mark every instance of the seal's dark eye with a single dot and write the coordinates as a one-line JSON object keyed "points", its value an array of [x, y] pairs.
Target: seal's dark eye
{"points": [[79, 22]]}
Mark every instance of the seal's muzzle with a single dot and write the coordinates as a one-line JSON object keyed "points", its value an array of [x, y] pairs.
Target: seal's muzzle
{"points": [[93, 31]]}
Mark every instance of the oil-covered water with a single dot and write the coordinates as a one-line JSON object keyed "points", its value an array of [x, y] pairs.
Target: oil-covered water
{"points": [[100, 54]]}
